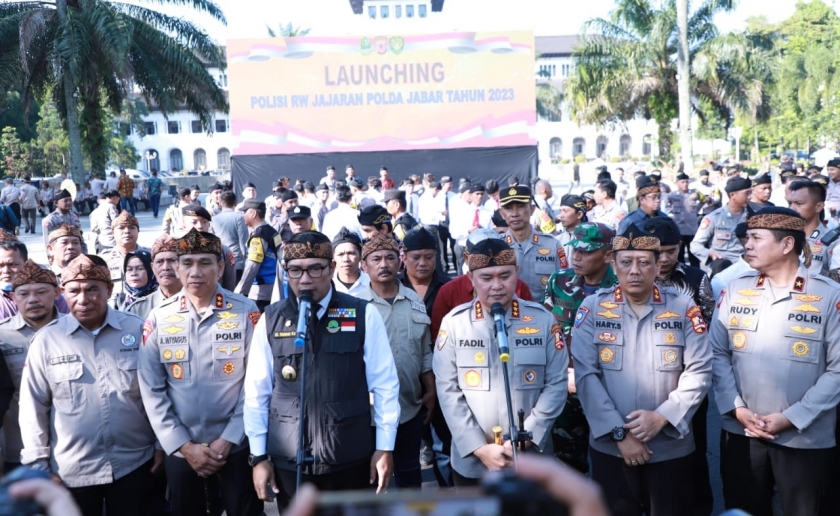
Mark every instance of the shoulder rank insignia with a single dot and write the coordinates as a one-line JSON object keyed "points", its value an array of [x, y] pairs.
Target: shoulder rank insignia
{"points": [[805, 307], [667, 314], [803, 329], [609, 305], [749, 292], [609, 314], [226, 315], [807, 298], [527, 330]]}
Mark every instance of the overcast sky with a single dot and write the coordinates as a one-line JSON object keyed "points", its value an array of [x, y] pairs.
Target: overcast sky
{"points": [[247, 18]]}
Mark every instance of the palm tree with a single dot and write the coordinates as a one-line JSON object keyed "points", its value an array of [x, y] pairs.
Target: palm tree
{"points": [[90, 53], [625, 67], [287, 31]]}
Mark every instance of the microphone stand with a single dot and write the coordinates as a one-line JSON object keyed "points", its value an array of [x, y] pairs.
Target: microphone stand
{"points": [[303, 457]]}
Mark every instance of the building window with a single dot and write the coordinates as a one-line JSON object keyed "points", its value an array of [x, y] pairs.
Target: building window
{"points": [[221, 126], [421, 11], [384, 11], [398, 11], [579, 147], [372, 12], [195, 125], [553, 70], [566, 70], [173, 127], [152, 159], [409, 11], [150, 128], [199, 160], [555, 147], [223, 81], [176, 160], [624, 145], [223, 159], [601, 147], [646, 146]]}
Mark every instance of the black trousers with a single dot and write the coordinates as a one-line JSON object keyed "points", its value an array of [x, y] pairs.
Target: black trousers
{"points": [[655, 489], [751, 468], [189, 493], [354, 478], [128, 496], [407, 453], [462, 481], [685, 247], [447, 244], [703, 499]]}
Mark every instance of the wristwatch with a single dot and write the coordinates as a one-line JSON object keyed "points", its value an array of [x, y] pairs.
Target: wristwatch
{"points": [[253, 460], [618, 434]]}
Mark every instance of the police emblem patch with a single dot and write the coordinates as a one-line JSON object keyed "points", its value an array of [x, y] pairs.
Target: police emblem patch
{"points": [[180, 354], [530, 376], [606, 355], [479, 358], [228, 368], [333, 326], [581, 316], [670, 338], [800, 349], [670, 356], [441, 339], [472, 378], [607, 337], [739, 340], [128, 340], [177, 371], [167, 354]]}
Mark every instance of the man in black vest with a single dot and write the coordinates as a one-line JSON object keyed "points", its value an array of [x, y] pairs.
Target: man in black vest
{"points": [[348, 356]]}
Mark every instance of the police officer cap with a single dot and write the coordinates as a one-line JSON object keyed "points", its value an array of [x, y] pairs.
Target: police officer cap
{"points": [[665, 229], [288, 195], [821, 179], [374, 215], [704, 172], [736, 184], [646, 185], [520, 194], [490, 253], [322, 186], [761, 179], [300, 212], [434, 185], [252, 204], [445, 179], [196, 210], [308, 185], [463, 187], [345, 236], [474, 188], [834, 163], [682, 176], [215, 186], [419, 238], [576, 202], [393, 195], [635, 239]]}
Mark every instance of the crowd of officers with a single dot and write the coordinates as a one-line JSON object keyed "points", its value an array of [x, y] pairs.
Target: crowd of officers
{"points": [[186, 400]]}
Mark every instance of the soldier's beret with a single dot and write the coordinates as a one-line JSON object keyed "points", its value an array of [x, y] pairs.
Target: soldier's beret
{"points": [[288, 195], [86, 267], [682, 176], [164, 244], [199, 242], [736, 184], [821, 179], [308, 244], [490, 252], [64, 230], [374, 215], [31, 273], [196, 210], [419, 238], [833, 163], [125, 219], [379, 242], [761, 179], [635, 239]]}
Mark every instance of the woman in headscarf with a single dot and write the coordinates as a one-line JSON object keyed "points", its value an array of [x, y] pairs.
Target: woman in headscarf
{"points": [[140, 281]]}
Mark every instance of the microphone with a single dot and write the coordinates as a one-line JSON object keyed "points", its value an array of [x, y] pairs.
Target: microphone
{"points": [[304, 305], [498, 312]]}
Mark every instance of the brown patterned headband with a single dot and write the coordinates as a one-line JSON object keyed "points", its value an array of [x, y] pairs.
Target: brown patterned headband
{"points": [[31, 273], [83, 268], [641, 243], [303, 250]]}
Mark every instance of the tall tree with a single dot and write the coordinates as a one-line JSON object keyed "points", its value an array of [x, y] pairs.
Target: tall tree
{"points": [[83, 51], [287, 31], [625, 67]]}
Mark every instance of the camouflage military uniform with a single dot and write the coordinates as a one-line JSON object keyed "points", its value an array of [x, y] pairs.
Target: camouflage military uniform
{"points": [[564, 293]]}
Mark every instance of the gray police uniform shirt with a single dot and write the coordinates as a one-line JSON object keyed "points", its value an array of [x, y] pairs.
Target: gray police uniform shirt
{"points": [[144, 306], [821, 254], [659, 362], [717, 233], [229, 226], [538, 257], [192, 368], [81, 415], [683, 209], [470, 385], [15, 336], [779, 355]]}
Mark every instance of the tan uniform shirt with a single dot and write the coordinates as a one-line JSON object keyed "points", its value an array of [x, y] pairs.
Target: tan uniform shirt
{"points": [[780, 355], [81, 415], [192, 368], [407, 325], [470, 382], [659, 361]]}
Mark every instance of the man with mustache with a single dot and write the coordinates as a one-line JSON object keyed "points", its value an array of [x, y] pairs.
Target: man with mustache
{"points": [[164, 265], [65, 243], [35, 291], [408, 333]]}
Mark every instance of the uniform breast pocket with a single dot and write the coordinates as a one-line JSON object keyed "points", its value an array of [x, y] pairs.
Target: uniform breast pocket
{"points": [[529, 367], [722, 236], [419, 323], [67, 389], [669, 355], [229, 362], [546, 265], [610, 346], [800, 348], [128, 374], [473, 374]]}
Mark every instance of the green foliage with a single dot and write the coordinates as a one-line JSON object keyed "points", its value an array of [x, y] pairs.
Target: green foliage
{"points": [[549, 100], [12, 114], [15, 153], [580, 158], [287, 31], [51, 147]]}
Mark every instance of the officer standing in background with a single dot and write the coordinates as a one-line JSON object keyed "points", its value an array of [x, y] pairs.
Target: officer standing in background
{"points": [[164, 267], [538, 255], [192, 367], [65, 245], [196, 216], [395, 203], [63, 214], [229, 225], [374, 219], [407, 326], [715, 238], [681, 204], [126, 231], [572, 213], [643, 366], [776, 346], [348, 358], [807, 198], [649, 200], [468, 370], [762, 189], [565, 291], [35, 291], [81, 416], [261, 258]]}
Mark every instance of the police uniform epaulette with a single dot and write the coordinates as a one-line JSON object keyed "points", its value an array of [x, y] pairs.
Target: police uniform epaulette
{"points": [[4, 321], [830, 236], [825, 279], [530, 304], [168, 301], [462, 307]]}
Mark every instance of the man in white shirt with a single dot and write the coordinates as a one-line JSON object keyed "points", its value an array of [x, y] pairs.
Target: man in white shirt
{"points": [[432, 205], [467, 218], [342, 216], [96, 185], [111, 182]]}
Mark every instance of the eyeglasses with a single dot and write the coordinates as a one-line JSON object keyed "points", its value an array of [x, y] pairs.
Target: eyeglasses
{"points": [[316, 271], [654, 197]]}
